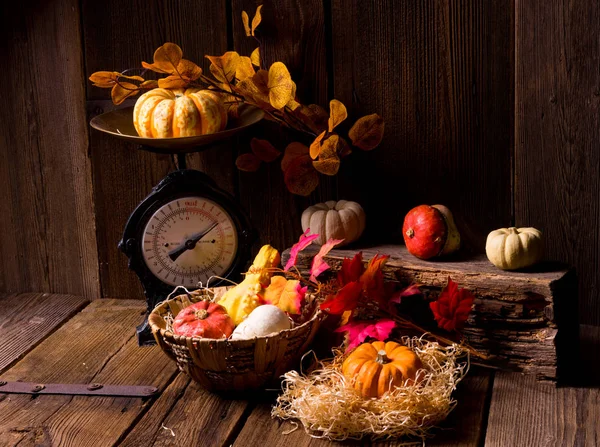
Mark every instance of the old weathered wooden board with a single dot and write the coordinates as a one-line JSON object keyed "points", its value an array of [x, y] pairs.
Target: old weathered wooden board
{"points": [[526, 412], [440, 74], [27, 318], [122, 174], [462, 428], [97, 345], [516, 314], [557, 129], [47, 228]]}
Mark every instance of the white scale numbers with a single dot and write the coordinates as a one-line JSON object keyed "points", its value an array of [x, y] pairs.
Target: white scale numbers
{"points": [[188, 240]]}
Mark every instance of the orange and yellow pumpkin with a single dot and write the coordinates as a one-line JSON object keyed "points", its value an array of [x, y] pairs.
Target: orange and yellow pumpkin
{"points": [[378, 367], [168, 113]]}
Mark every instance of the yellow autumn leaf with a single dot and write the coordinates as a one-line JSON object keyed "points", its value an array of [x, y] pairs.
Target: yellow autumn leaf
{"points": [[315, 147], [337, 114], [224, 67], [149, 84], [257, 19], [367, 132], [255, 57], [123, 90], [280, 85], [329, 161], [244, 69], [188, 70], [256, 89], [166, 59], [245, 21]]}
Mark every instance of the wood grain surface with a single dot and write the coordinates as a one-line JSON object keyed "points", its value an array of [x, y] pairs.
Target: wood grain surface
{"points": [[440, 75], [47, 225], [557, 130], [97, 345], [27, 318]]}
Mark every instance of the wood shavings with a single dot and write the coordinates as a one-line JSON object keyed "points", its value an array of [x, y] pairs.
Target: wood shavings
{"points": [[328, 408]]}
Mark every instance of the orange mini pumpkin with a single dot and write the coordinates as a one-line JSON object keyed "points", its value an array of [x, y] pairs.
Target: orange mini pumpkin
{"points": [[203, 319], [168, 113], [378, 367]]}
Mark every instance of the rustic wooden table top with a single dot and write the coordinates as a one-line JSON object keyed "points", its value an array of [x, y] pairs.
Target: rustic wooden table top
{"points": [[48, 338]]}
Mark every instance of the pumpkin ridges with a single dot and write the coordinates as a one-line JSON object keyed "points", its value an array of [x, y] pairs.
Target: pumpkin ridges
{"points": [[203, 319]]}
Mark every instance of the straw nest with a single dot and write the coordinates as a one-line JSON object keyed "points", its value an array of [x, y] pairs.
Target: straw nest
{"points": [[328, 407]]}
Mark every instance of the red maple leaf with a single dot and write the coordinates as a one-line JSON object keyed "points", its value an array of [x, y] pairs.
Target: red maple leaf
{"points": [[452, 307], [318, 264], [351, 270], [304, 241], [358, 331], [346, 299], [372, 281]]}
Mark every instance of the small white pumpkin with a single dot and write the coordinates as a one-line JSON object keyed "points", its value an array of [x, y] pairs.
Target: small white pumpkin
{"points": [[514, 248], [263, 320], [335, 220]]}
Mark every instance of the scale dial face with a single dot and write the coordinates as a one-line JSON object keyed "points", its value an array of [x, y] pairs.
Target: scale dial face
{"points": [[188, 240]]}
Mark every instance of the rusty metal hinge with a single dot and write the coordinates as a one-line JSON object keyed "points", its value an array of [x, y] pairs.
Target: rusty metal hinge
{"points": [[78, 389]]}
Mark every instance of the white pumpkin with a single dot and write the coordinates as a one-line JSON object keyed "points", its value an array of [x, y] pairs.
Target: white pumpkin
{"points": [[263, 320], [335, 220], [514, 248]]}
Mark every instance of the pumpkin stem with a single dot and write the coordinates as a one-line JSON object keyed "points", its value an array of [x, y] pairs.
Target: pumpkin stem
{"points": [[513, 230], [201, 314], [382, 357], [410, 233]]}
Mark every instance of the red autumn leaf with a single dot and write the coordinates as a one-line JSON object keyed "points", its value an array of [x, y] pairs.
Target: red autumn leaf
{"points": [[304, 241], [300, 177], [286, 294], [346, 299], [351, 270], [372, 281], [452, 307], [413, 289], [359, 331], [247, 162], [318, 265], [264, 150], [292, 151]]}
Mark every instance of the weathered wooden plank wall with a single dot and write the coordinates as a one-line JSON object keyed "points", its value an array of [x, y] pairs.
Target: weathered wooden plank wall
{"points": [[47, 225], [488, 110]]}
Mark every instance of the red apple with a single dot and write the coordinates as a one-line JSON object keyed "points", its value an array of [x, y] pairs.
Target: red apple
{"points": [[430, 231]]}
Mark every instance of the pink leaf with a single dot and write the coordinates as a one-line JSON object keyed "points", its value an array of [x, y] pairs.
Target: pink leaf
{"points": [[318, 265], [304, 241], [413, 289], [358, 331]]}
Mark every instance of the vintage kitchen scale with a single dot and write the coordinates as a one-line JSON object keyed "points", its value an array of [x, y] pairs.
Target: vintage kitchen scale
{"points": [[187, 230]]}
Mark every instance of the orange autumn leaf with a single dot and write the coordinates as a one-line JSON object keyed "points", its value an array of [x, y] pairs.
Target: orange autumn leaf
{"points": [[337, 114], [328, 162], [104, 79], [308, 117], [172, 81], [224, 67], [255, 89], [248, 162], [292, 151], [286, 294], [264, 150], [149, 84], [188, 70], [257, 19], [244, 69], [367, 132], [255, 57], [123, 90], [343, 148], [166, 59], [245, 22], [300, 177], [280, 85], [315, 147]]}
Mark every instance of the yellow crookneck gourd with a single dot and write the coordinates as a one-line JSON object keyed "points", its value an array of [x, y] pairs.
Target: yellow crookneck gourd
{"points": [[241, 300]]}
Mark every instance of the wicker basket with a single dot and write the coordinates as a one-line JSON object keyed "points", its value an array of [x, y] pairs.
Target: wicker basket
{"points": [[228, 365]]}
